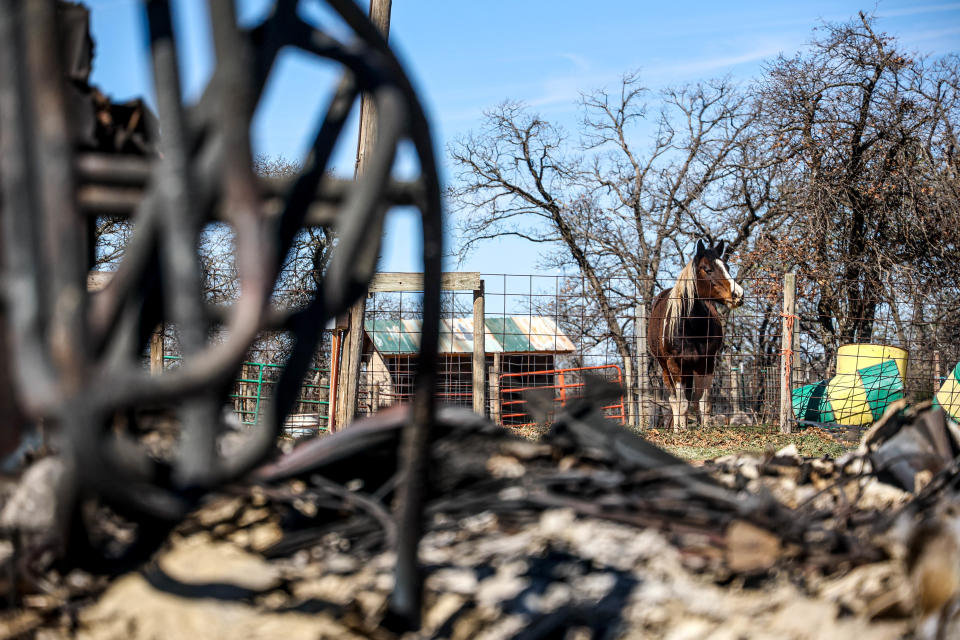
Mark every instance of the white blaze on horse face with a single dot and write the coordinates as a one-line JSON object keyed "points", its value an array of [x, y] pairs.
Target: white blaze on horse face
{"points": [[736, 291]]}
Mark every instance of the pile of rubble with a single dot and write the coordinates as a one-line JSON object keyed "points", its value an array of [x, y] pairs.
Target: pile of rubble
{"points": [[589, 532]]}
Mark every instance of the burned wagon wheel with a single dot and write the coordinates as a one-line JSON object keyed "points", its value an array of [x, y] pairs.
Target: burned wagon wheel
{"points": [[78, 356]]}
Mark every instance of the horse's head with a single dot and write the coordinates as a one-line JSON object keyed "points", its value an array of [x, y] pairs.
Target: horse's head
{"points": [[714, 281]]}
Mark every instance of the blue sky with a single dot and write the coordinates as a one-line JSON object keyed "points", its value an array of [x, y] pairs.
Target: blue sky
{"points": [[468, 56]]}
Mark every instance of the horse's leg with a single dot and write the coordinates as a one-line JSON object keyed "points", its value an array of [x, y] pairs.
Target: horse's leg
{"points": [[703, 383], [668, 387], [681, 390], [696, 395]]}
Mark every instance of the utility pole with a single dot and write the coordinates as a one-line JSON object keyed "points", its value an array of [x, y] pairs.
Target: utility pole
{"points": [[380, 17], [348, 387]]}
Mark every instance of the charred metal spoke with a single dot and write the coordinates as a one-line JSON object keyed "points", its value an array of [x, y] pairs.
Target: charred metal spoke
{"points": [[63, 231], [304, 190], [181, 224], [355, 262], [21, 237]]}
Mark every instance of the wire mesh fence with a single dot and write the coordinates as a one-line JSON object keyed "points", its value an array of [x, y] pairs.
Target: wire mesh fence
{"points": [[860, 347], [827, 360]]}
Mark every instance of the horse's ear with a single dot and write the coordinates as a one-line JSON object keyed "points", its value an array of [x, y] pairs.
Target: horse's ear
{"points": [[700, 249], [720, 249]]}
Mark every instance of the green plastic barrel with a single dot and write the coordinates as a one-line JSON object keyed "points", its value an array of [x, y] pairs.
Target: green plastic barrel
{"points": [[948, 396], [850, 399]]}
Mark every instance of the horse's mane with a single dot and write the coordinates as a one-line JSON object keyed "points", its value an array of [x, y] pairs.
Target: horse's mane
{"points": [[680, 302]]}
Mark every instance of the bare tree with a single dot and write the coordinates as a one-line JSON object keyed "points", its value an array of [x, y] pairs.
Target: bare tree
{"points": [[110, 237], [866, 173], [840, 161], [617, 206], [308, 257]]}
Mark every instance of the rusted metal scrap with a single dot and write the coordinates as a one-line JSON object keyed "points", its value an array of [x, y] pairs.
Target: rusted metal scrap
{"points": [[584, 463], [910, 445], [98, 123], [76, 356]]}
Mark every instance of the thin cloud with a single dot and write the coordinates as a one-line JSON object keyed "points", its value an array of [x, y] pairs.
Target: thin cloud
{"points": [[578, 61], [931, 41], [564, 90], [559, 91], [929, 34], [712, 64], [912, 11]]}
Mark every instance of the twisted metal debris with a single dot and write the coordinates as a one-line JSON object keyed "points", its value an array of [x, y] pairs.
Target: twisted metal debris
{"points": [[77, 356]]}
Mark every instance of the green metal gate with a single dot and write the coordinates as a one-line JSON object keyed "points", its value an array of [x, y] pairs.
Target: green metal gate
{"points": [[255, 385]]}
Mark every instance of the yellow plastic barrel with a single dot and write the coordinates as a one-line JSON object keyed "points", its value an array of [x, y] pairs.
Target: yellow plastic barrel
{"points": [[869, 377], [850, 393], [853, 357]]}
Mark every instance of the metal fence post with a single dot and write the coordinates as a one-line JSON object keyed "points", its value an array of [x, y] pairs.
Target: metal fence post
{"points": [[936, 370], [629, 389], [322, 399], [247, 415], [643, 366], [786, 351], [256, 416], [479, 352], [495, 413], [736, 399]]}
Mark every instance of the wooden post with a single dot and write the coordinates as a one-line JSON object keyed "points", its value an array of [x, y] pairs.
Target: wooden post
{"points": [[380, 17], [495, 416], [936, 371], [335, 361], [349, 379], [786, 351], [353, 344], [643, 366], [479, 352], [156, 352]]}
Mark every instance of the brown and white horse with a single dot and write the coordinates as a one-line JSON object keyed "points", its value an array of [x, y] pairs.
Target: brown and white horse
{"points": [[685, 331]]}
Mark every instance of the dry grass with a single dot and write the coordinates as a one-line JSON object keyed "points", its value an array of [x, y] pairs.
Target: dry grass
{"points": [[713, 442]]}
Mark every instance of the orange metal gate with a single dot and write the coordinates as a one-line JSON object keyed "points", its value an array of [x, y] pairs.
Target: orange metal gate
{"points": [[511, 402]]}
